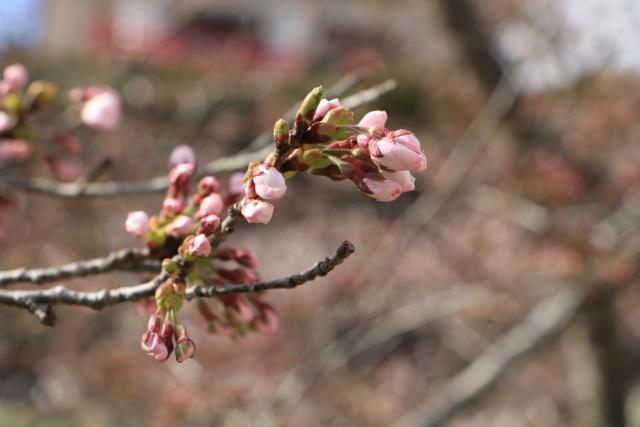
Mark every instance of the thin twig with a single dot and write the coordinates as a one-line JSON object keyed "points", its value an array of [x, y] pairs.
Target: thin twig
{"points": [[61, 295], [124, 259]]}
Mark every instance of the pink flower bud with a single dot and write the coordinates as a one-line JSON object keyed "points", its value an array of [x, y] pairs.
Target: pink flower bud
{"points": [[171, 206], [103, 111], [64, 168], [15, 150], [179, 227], [269, 183], [257, 211], [211, 205], [383, 191], [398, 150], [209, 225], [234, 185], [181, 174], [153, 344], [403, 178], [6, 122], [185, 347], [16, 75], [137, 223], [208, 185], [199, 246], [182, 154], [324, 106], [374, 119]]}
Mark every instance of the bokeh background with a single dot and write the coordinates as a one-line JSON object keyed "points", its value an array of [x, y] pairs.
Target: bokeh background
{"points": [[527, 111]]}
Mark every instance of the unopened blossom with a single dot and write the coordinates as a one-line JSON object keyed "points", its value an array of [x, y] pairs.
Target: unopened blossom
{"points": [[199, 246], [257, 211], [208, 185], [15, 150], [234, 185], [324, 106], [180, 176], [185, 347], [374, 119], [102, 111], [6, 122], [403, 178], [269, 182], [209, 225], [181, 226], [137, 223], [171, 206], [211, 205], [153, 341], [182, 154], [383, 191], [16, 75], [398, 150]]}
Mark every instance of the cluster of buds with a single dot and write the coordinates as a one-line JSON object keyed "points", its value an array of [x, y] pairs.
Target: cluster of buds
{"points": [[164, 334], [326, 141], [262, 183]]}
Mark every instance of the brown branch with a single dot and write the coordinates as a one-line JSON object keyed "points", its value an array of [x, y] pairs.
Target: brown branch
{"points": [[124, 259], [159, 184], [61, 295], [544, 321]]}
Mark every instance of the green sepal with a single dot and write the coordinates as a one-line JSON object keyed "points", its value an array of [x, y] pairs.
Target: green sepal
{"points": [[309, 105]]}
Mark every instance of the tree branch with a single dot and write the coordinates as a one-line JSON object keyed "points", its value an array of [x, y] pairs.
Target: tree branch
{"points": [[544, 321], [124, 259], [61, 295], [159, 184]]}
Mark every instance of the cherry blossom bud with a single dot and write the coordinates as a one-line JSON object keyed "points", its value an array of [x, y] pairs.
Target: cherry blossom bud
{"points": [[171, 206], [398, 150], [307, 109], [403, 178], [181, 175], [16, 75], [209, 225], [374, 119], [185, 347], [15, 150], [6, 122], [179, 227], [208, 185], [199, 246], [152, 341], [137, 223], [257, 211], [103, 111], [383, 191], [182, 154], [324, 107], [64, 168], [234, 185], [211, 205], [269, 182]]}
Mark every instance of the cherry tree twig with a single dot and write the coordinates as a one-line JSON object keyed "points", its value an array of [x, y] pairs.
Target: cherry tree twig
{"points": [[158, 184], [124, 259], [61, 295]]}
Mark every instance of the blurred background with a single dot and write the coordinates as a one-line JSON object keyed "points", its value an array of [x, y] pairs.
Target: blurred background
{"points": [[527, 111]]}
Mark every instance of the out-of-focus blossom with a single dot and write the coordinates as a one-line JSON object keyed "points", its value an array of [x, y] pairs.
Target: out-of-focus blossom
{"points": [[64, 168], [182, 154], [102, 111], [209, 225], [171, 206], [211, 205], [257, 211], [16, 75], [137, 223], [6, 122], [15, 150], [383, 191], [179, 227], [208, 185], [181, 174]]}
